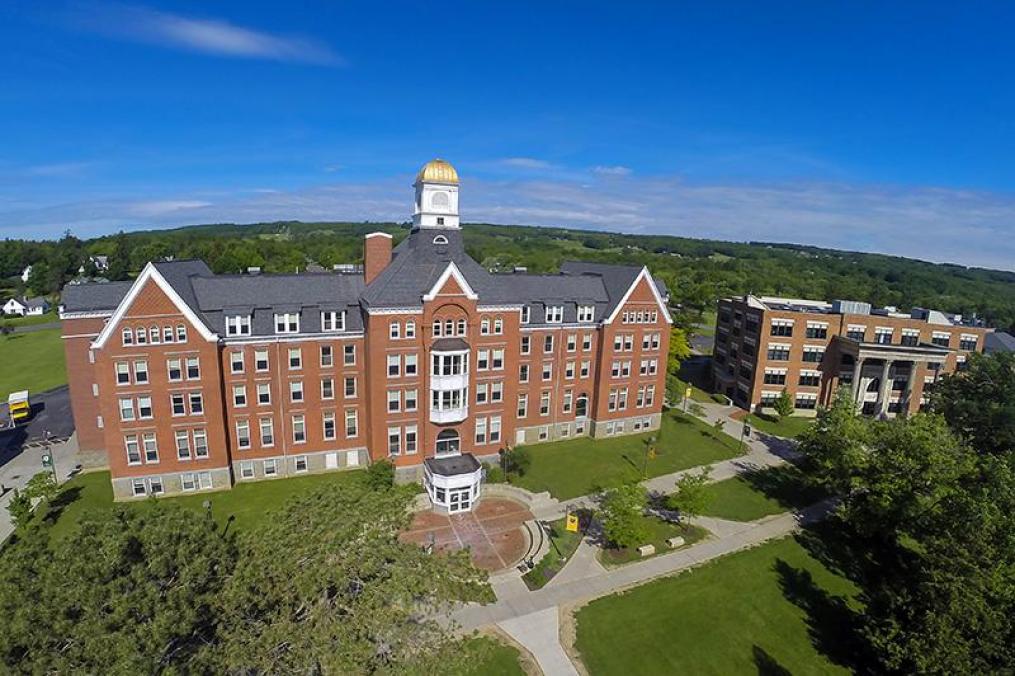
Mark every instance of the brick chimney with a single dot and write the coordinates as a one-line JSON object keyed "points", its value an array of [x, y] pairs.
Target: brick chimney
{"points": [[376, 254]]}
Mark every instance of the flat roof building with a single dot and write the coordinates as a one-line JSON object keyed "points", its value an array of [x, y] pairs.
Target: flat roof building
{"points": [[889, 359]]}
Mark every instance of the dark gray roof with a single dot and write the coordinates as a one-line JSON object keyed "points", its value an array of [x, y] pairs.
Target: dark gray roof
{"points": [[999, 341], [94, 296], [453, 465], [450, 345]]}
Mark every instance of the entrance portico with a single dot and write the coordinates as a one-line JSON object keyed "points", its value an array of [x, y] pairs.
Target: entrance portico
{"points": [[879, 370], [453, 482]]}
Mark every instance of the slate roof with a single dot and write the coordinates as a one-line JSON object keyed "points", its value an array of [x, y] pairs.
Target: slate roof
{"points": [[417, 263], [999, 341], [94, 296]]}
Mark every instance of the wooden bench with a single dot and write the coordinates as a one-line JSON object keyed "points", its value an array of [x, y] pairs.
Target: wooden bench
{"points": [[646, 550], [675, 542]]}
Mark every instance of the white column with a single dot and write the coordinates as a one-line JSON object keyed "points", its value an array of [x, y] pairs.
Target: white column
{"points": [[907, 396], [885, 389]]}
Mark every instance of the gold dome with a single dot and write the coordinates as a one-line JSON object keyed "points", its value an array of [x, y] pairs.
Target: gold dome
{"points": [[437, 171]]}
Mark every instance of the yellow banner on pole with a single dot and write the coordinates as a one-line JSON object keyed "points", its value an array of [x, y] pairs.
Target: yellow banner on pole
{"points": [[687, 393], [572, 523]]}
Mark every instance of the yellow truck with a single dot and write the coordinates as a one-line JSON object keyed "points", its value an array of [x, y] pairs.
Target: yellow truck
{"points": [[18, 407]]}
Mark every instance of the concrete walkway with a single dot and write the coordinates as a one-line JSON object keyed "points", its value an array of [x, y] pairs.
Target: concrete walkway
{"points": [[510, 606], [539, 632], [27, 462]]}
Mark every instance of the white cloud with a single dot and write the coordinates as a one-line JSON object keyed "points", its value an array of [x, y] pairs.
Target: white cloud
{"points": [[937, 224], [526, 163], [206, 35], [615, 170]]}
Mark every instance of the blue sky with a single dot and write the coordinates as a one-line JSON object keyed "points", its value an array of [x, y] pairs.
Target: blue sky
{"points": [[870, 126]]}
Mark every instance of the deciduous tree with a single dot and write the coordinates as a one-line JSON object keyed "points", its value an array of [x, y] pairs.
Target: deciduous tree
{"points": [[621, 516]]}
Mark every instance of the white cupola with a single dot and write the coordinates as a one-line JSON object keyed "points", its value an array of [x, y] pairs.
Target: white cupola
{"points": [[436, 196]]}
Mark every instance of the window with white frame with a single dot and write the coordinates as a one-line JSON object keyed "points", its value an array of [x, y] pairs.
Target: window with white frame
{"points": [[247, 469], [411, 364], [544, 403], [482, 392], [263, 394], [260, 360], [394, 441], [484, 327], [267, 432], [349, 355], [177, 404], [480, 431], [523, 373], [394, 330], [497, 391], [127, 337], [554, 314], [238, 325], [586, 313], [133, 448], [547, 370], [196, 403], [167, 334], [144, 408], [494, 429], [498, 326], [295, 358], [150, 446], [394, 401], [182, 445], [394, 365], [299, 429], [193, 368], [411, 398], [497, 359], [585, 368], [525, 314], [327, 356], [126, 409], [270, 467], [411, 439], [236, 362], [548, 344], [181, 333], [523, 405], [301, 464], [332, 320], [141, 371], [327, 388], [200, 443], [122, 373], [296, 391], [141, 336], [243, 434], [328, 425], [287, 322], [350, 387], [410, 329], [526, 346], [351, 423]]}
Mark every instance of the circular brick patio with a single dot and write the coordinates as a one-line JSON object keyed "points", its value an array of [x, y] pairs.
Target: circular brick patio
{"points": [[493, 532]]}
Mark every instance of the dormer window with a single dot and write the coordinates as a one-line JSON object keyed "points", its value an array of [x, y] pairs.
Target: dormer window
{"points": [[554, 314], [525, 314], [440, 239], [287, 322], [333, 321], [238, 325], [586, 313]]}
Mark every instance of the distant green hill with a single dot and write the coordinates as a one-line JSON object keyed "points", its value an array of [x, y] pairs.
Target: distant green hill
{"points": [[697, 271]]}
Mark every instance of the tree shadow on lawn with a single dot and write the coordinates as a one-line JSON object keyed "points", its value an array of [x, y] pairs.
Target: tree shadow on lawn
{"points": [[787, 485], [60, 502], [832, 625], [768, 665]]}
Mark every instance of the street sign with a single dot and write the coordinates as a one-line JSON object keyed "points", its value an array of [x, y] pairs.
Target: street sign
{"points": [[47, 461], [747, 430], [572, 523]]}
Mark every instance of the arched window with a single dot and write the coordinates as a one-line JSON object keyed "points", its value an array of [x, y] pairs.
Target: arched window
{"points": [[461, 327], [440, 202], [437, 328], [449, 328], [581, 407], [448, 442], [440, 239]]}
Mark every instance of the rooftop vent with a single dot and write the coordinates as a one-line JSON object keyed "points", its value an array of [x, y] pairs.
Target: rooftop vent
{"points": [[852, 307]]}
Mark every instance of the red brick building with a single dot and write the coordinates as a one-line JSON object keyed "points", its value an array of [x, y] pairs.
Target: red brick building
{"points": [[810, 348], [190, 381]]}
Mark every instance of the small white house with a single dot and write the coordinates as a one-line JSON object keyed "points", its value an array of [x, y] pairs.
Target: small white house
{"points": [[29, 307], [101, 263]]}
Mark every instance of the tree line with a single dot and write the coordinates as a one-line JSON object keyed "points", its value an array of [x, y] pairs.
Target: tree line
{"points": [[695, 271]]}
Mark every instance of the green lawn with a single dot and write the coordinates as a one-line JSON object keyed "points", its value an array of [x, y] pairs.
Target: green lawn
{"points": [[562, 545], [660, 532], [568, 469], [50, 316], [773, 609], [790, 427], [707, 325], [499, 659], [758, 494], [31, 361], [247, 502]]}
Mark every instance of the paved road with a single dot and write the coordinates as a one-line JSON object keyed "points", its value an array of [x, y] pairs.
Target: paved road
{"points": [[19, 468], [51, 413]]}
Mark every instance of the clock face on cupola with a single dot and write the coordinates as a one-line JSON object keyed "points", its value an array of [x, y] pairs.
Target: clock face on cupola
{"points": [[436, 196]]}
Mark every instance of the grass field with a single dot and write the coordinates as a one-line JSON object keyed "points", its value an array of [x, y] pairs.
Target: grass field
{"points": [[660, 531], [50, 316], [562, 545], [759, 494], [773, 609], [246, 502], [568, 469], [31, 361], [499, 659], [790, 427]]}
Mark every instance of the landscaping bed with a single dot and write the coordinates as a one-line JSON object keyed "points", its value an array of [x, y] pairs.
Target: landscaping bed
{"points": [[660, 531], [563, 544]]}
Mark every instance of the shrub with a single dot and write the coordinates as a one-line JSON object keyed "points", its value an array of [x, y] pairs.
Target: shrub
{"points": [[719, 398], [516, 460], [495, 475], [381, 475]]}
